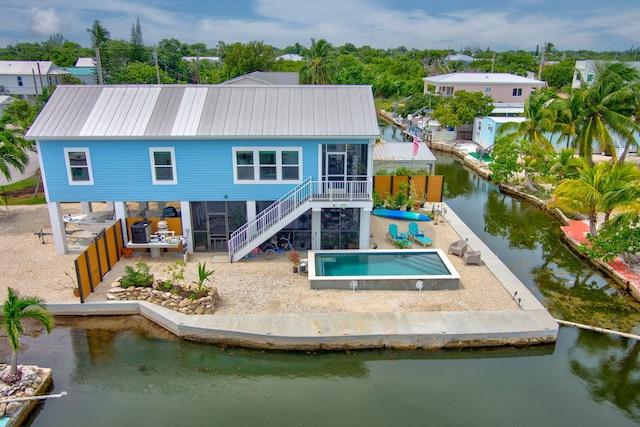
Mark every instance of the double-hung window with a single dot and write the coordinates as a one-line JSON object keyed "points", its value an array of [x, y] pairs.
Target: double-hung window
{"points": [[266, 165], [78, 166], [163, 165], [20, 83], [517, 91]]}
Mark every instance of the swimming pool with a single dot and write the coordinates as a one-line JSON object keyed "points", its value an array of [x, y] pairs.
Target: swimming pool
{"points": [[413, 269]]}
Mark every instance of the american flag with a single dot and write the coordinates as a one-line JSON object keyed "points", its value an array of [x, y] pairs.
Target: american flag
{"points": [[416, 145]]}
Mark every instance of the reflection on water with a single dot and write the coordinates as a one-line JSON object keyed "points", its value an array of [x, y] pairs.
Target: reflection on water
{"points": [[528, 241], [139, 377]]}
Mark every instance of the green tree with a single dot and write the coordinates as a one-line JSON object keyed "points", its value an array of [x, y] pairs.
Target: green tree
{"points": [[584, 194], [505, 163], [462, 107], [13, 148], [318, 70], [559, 75], [137, 52], [606, 106], [15, 310], [243, 59], [566, 164], [617, 236], [539, 120], [141, 73]]}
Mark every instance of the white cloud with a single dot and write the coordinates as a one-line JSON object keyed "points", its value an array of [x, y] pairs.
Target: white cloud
{"points": [[45, 22]]}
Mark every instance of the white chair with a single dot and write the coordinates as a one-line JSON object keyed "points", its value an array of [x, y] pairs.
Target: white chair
{"points": [[472, 257]]}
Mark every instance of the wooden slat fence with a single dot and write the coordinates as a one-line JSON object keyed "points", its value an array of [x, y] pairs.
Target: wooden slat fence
{"points": [[389, 185], [98, 259]]}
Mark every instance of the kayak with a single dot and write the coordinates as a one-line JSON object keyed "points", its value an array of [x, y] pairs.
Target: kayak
{"points": [[410, 216]]}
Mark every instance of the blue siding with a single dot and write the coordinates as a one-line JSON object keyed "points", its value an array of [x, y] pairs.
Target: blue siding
{"points": [[122, 170]]}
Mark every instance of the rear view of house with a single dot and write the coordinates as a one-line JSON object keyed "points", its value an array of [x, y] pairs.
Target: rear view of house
{"points": [[241, 163]]}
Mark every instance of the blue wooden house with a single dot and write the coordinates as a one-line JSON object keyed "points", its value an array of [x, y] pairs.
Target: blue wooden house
{"points": [[242, 163]]}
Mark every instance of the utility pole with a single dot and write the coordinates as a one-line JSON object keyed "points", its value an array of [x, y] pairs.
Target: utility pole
{"points": [[99, 66], [155, 58]]}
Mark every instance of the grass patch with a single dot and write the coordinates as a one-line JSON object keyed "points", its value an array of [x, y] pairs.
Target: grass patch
{"points": [[22, 192]]}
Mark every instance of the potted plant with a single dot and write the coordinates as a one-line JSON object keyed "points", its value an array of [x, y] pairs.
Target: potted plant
{"points": [[294, 257]]}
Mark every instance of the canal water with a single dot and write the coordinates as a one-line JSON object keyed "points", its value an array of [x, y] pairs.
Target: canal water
{"points": [[123, 372]]}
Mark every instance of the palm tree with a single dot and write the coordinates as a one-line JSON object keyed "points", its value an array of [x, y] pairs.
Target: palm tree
{"points": [[567, 164], [583, 194], [15, 309], [539, 120], [566, 112], [13, 148], [623, 188], [318, 70], [606, 107]]}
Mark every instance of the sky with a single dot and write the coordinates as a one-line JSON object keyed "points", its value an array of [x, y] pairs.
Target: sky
{"points": [[421, 24]]}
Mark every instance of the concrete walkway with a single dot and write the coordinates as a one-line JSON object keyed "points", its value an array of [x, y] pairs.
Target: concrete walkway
{"points": [[531, 324]]}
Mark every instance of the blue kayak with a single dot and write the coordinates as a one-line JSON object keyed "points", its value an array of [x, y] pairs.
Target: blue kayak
{"points": [[410, 216]]}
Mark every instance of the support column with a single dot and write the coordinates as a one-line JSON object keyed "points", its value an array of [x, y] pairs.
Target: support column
{"points": [[187, 226], [316, 228], [120, 210], [57, 228], [365, 227], [86, 207]]}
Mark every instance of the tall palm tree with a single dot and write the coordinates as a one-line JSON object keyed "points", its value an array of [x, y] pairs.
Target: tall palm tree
{"points": [[606, 107], [539, 120], [15, 309], [583, 194], [318, 70], [622, 190], [566, 112]]}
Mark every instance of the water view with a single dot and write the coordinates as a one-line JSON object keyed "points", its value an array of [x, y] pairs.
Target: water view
{"points": [[118, 375]]}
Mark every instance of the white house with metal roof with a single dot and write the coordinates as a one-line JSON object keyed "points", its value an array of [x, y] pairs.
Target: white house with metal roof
{"points": [[502, 87], [242, 163], [25, 79]]}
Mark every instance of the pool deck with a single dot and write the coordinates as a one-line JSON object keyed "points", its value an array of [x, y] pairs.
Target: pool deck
{"points": [[531, 324]]}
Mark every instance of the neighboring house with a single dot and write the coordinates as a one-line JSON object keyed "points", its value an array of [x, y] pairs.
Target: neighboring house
{"points": [[465, 59], [485, 129], [84, 70], [291, 57], [502, 87], [25, 79], [587, 71], [254, 160], [5, 101], [202, 58], [265, 78]]}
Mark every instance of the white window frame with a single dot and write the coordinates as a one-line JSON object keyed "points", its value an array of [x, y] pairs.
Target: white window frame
{"points": [[67, 161], [174, 169], [256, 165], [20, 82], [517, 91]]}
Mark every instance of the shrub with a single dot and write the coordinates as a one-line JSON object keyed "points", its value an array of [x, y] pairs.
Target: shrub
{"points": [[138, 276], [203, 274], [176, 271]]}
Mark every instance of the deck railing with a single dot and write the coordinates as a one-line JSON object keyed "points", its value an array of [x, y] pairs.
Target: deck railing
{"points": [[254, 230]]}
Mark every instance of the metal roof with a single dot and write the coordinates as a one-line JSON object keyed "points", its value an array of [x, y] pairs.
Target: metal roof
{"points": [[269, 78], [206, 112], [401, 151], [482, 78], [17, 68]]}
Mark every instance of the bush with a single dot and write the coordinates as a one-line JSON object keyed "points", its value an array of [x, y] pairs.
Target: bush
{"points": [[138, 276]]}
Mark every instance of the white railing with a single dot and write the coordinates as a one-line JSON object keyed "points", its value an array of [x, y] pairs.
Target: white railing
{"points": [[253, 232]]}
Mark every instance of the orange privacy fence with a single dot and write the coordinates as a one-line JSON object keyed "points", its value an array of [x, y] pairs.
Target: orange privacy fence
{"points": [[98, 259], [430, 185]]}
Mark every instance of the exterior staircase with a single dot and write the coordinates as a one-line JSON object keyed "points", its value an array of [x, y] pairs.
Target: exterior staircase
{"points": [[289, 207]]}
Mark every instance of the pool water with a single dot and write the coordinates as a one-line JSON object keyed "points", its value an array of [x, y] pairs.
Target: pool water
{"points": [[382, 270], [381, 264]]}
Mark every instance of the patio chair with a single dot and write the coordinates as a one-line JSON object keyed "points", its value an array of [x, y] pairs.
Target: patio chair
{"points": [[458, 247], [417, 234], [397, 236], [472, 257]]}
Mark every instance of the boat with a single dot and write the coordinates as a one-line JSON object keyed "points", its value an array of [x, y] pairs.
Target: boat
{"points": [[93, 222], [397, 214]]}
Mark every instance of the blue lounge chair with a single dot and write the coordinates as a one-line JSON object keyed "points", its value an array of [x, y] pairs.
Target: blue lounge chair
{"points": [[417, 234], [397, 236]]}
